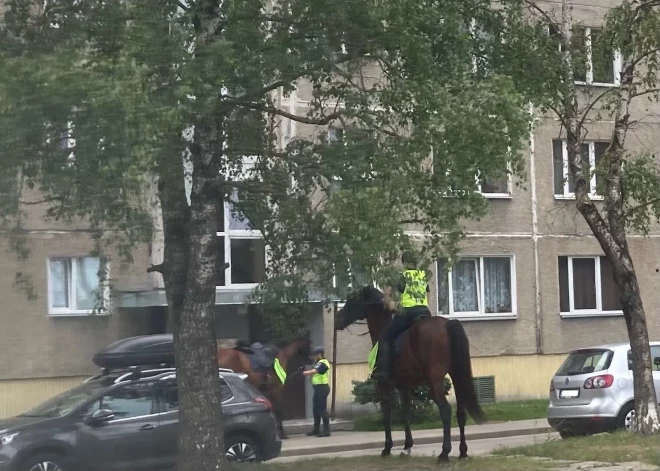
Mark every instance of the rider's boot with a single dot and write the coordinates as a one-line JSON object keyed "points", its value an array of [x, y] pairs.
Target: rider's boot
{"points": [[382, 370]]}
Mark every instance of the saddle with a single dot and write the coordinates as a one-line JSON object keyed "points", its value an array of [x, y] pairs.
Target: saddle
{"points": [[262, 357]]}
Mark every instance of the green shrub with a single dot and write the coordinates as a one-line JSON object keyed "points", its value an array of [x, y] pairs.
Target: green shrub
{"points": [[421, 406]]}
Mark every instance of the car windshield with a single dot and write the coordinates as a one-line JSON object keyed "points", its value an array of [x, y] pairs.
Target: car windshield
{"points": [[585, 361], [63, 404]]}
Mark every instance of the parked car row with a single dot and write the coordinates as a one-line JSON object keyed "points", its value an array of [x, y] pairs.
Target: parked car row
{"points": [[127, 419], [592, 391]]}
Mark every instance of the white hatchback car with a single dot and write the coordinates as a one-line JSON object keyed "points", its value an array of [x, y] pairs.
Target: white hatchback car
{"points": [[592, 391]]}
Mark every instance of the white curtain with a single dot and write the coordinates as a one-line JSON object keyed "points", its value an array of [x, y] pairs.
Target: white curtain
{"points": [[87, 283], [465, 286], [59, 283], [497, 284]]}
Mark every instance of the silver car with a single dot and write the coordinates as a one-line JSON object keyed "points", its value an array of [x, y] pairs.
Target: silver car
{"points": [[593, 390]]}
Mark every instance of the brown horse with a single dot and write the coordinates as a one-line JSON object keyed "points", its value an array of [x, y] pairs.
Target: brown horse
{"points": [[431, 348], [267, 382]]}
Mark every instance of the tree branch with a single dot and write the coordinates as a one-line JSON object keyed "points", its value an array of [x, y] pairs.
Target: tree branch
{"points": [[181, 5], [533, 6], [641, 206], [48, 199], [293, 117], [591, 105], [160, 268], [645, 92]]}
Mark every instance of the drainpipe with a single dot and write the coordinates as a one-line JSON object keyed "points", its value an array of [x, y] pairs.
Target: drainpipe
{"points": [[535, 233]]}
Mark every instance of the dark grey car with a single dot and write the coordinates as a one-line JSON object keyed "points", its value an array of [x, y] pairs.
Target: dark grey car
{"points": [[128, 422]]}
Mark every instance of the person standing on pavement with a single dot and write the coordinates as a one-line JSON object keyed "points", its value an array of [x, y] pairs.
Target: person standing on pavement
{"points": [[320, 374]]}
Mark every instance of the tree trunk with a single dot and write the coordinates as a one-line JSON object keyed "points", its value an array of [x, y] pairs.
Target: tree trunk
{"points": [[646, 411], [610, 231], [201, 446]]}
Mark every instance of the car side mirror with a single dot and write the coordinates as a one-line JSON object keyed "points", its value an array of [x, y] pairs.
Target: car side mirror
{"points": [[656, 361], [101, 416]]}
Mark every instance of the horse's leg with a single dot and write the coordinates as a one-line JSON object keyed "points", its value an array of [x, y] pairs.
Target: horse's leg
{"points": [[386, 409], [461, 418], [405, 409], [438, 391], [277, 409]]}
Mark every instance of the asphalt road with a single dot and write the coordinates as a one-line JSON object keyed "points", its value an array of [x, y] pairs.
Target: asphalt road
{"points": [[475, 447]]}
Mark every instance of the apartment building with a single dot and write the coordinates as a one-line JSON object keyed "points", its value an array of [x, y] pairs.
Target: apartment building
{"points": [[531, 283]]}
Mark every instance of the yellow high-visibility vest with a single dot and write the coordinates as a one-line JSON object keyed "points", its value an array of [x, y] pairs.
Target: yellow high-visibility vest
{"points": [[415, 292], [322, 378]]}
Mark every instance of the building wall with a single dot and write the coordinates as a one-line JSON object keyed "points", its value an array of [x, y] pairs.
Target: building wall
{"points": [[20, 395], [518, 377], [36, 345]]}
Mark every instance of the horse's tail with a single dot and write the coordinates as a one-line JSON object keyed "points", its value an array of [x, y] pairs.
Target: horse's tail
{"points": [[461, 370]]}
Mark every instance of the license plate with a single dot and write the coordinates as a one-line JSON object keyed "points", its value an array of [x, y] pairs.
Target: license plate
{"points": [[569, 393]]}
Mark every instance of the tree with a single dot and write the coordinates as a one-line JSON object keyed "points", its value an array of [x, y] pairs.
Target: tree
{"points": [[628, 182], [149, 89]]}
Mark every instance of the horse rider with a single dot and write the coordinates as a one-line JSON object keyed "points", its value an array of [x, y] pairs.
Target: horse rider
{"points": [[414, 289], [320, 374]]}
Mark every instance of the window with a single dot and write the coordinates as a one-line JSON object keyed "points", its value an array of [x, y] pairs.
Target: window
{"points": [[495, 187], [128, 401], [75, 284], [655, 357], [586, 287], [170, 395], [477, 287], [585, 362], [595, 62], [592, 153], [240, 244]]}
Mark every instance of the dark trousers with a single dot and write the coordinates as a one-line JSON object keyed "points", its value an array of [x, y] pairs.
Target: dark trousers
{"points": [[320, 407], [399, 323]]}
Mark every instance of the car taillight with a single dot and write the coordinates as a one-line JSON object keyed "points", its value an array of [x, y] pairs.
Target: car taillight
{"points": [[599, 382], [264, 401], [552, 385]]}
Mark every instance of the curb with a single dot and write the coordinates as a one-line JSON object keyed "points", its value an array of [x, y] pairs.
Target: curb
{"points": [[330, 448]]}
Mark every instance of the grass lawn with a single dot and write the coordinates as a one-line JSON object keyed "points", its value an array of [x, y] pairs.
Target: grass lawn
{"points": [[609, 447], [411, 464], [497, 412]]}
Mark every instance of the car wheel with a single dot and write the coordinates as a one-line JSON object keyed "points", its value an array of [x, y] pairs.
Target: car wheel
{"points": [[45, 462], [626, 418], [242, 449]]}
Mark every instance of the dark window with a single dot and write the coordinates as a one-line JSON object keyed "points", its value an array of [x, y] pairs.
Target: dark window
{"points": [[602, 58], [591, 276], [170, 395], [655, 357], [585, 362], [248, 261], [130, 400]]}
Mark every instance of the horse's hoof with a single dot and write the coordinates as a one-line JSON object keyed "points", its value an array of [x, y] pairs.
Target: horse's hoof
{"points": [[386, 453], [464, 457], [405, 454]]}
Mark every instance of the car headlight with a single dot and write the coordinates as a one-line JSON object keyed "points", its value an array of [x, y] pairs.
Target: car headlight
{"points": [[7, 439]]}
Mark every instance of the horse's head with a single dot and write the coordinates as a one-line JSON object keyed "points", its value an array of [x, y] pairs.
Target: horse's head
{"points": [[359, 305], [300, 345]]}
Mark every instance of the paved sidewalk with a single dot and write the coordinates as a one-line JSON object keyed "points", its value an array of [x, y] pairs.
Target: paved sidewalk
{"points": [[350, 441]]}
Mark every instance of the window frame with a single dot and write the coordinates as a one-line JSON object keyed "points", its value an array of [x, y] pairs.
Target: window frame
{"points": [[616, 60], [598, 311], [616, 63], [479, 315], [238, 234], [566, 194], [72, 310]]}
